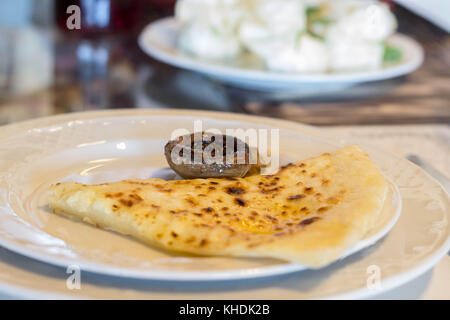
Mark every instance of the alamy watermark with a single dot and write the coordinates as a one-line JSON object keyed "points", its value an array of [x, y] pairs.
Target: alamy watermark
{"points": [[250, 146], [374, 277], [73, 22], [73, 282]]}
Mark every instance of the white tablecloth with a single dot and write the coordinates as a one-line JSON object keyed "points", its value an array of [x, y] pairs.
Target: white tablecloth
{"points": [[432, 143]]}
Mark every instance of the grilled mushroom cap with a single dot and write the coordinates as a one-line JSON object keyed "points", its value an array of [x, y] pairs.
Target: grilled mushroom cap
{"points": [[205, 156]]}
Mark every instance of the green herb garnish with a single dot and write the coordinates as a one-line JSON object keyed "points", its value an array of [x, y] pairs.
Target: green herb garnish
{"points": [[317, 16], [311, 10], [392, 54], [298, 37]]}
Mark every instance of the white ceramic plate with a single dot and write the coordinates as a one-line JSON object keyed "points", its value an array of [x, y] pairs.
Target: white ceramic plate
{"points": [[159, 41], [419, 239], [113, 149]]}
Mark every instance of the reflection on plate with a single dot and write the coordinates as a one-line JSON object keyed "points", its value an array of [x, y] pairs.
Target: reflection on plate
{"points": [[159, 41]]}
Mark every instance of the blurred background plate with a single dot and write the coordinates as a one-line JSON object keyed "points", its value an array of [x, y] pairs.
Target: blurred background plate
{"points": [[159, 40]]}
